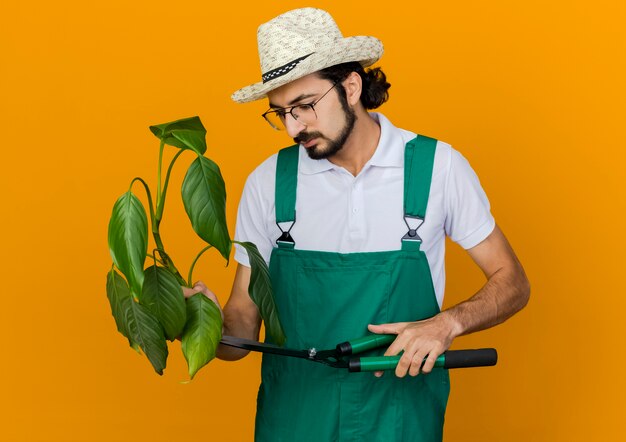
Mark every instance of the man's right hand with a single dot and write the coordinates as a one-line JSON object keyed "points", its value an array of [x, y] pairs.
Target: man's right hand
{"points": [[200, 287], [240, 315]]}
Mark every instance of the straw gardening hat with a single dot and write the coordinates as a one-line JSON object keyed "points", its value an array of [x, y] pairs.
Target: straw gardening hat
{"points": [[300, 42]]}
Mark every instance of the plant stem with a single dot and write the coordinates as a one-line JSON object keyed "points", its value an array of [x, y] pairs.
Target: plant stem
{"points": [[161, 148], [155, 258], [152, 215], [193, 264], [166, 260], [161, 201]]}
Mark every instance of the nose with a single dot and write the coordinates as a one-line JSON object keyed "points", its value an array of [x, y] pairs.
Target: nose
{"points": [[293, 126]]}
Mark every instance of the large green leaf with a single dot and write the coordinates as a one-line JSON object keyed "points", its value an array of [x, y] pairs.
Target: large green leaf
{"points": [[120, 299], [163, 296], [146, 331], [128, 239], [188, 133], [204, 197], [136, 322], [260, 290], [202, 333]]}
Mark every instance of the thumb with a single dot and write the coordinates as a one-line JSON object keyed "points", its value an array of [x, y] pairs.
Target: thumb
{"points": [[387, 329], [188, 292]]}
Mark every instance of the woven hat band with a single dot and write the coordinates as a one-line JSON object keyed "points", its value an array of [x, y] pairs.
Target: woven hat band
{"points": [[282, 70]]}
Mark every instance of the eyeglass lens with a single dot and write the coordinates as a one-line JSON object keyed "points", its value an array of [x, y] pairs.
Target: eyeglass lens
{"points": [[304, 113]]}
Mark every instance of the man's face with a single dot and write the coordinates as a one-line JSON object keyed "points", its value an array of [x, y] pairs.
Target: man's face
{"points": [[324, 136]]}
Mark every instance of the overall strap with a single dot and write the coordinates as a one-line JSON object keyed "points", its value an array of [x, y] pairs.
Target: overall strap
{"points": [[285, 192], [419, 156]]}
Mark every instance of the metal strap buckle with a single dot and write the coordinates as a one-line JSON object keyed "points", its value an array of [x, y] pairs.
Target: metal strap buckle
{"points": [[285, 236], [413, 222]]}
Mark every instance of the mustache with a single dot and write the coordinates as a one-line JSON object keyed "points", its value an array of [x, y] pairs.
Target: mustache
{"points": [[303, 137]]}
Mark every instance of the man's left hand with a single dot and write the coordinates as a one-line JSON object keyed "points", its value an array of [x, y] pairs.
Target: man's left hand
{"points": [[421, 339]]}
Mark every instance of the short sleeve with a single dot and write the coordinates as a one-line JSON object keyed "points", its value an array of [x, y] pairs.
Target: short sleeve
{"points": [[468, 217], [255, 210]]}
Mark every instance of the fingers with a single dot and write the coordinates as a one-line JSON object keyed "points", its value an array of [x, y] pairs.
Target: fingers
{"points": [[395, 328], [411, 360], [387, 329], [397, 346], [416, 360], [189, 292], [420, 343], [430, 361], [200, 287]]}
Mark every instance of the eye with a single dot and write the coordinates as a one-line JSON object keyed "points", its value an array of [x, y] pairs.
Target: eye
{"points": [[303, 108], [280, 113]]}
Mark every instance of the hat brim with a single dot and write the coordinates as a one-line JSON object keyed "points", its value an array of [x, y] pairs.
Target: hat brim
{"points": [[365, 50]]}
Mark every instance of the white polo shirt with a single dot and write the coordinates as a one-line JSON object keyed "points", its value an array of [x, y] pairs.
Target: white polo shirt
{"points": [[338, 212]]}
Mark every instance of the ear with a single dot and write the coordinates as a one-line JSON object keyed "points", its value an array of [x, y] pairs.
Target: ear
{"points": [[353, 86]]}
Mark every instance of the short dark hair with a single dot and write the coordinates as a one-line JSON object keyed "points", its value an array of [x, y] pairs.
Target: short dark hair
{"points": [[375, 85]]}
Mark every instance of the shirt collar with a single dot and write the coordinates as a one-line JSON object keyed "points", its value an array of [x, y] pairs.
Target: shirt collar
{"points": [[390, 149], [389, 152]]}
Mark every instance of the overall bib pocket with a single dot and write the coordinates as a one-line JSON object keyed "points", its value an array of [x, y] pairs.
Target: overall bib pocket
{"points": [[335, 304]]}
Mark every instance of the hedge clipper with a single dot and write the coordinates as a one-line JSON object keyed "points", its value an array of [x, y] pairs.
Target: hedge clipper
{"points": [[342, 356]]}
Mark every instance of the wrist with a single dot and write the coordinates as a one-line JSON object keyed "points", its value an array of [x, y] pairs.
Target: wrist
{"points": [[454, 326]]}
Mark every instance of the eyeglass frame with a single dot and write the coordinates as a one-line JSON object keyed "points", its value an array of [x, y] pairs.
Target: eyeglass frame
{"points": [[291, 108]]}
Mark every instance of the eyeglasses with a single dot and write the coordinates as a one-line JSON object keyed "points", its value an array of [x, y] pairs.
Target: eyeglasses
{"points": [[304, 113]]}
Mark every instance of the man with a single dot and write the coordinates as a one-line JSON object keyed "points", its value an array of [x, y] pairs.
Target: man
{"points": [[366, 249]]}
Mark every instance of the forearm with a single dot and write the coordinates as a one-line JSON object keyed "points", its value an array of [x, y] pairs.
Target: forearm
{"points": [[506, 292], [236, 325], [241, 316]]}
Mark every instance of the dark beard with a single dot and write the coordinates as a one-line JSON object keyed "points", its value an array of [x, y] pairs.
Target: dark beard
{"points": [[335, 145]]}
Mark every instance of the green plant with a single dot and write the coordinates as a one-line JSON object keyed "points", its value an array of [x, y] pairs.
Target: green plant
{"points": [[148, 303]]}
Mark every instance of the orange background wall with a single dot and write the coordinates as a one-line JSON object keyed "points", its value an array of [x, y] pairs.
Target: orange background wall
{"points": [[532, 93]]}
